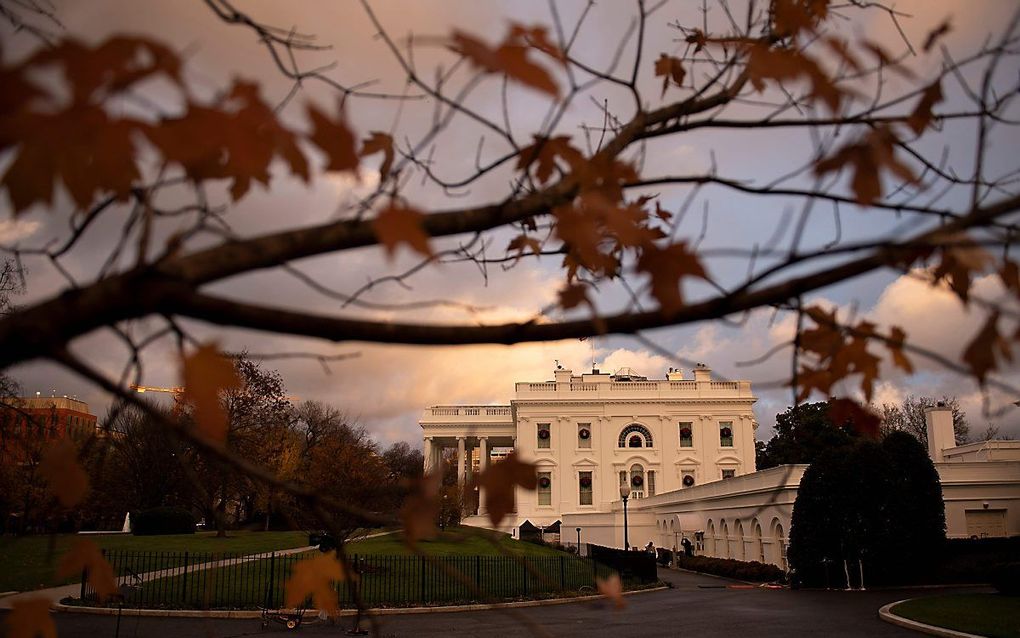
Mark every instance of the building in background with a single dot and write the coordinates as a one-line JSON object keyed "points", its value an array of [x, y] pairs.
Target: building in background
{"points": [[29, 422]]}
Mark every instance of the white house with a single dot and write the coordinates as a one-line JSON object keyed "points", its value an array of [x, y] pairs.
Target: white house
{"points": [[684, 449]]}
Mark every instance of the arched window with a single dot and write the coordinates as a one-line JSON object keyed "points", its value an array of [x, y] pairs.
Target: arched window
{"points": [[637, 481], [710, 538], [738, 531], [759, 546], [635, 435], [724, 540]]}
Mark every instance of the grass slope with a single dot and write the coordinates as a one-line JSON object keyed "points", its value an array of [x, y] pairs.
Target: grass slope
{"points": [[992, 615], [30, 562]]}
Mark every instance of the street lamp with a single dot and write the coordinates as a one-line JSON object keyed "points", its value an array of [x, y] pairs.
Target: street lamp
{"points": [[578, 530], [625, 494]]}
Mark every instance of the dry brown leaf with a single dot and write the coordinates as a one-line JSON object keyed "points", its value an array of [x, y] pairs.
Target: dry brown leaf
{"points": [[380, 143], [962, 259], [30, 618], [500, 481], [399, 224], [315, 577], [866, 157], [335, 139], [64, 474], [510, 58], [849, 412], [981, 353], [206, 373], [667, 268], [421, 509], [573, 295], [542, 154], [538, 38], [520, 242], [935, 34], [921, 117], [669, 68], [612, 589], [895, 345], [85, 555]]}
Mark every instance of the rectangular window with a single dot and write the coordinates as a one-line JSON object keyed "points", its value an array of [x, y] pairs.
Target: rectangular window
{"points": [[727, 474], [544, 488], [623, 477], [726, 433], [584, 488], [686, 434], [651, 482], [544, 436], [584, 435]]}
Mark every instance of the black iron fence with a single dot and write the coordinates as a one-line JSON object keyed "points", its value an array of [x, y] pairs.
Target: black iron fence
{"points": [[184, 580]]}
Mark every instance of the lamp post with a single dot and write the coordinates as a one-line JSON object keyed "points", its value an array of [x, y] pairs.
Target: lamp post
{"points": [[578, 530], [625, 494]]}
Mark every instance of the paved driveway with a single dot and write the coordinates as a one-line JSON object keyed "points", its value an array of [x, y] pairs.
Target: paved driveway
{"points": [[698, 606]]}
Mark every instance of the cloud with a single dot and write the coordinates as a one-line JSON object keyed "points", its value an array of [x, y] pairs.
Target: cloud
{"points": [[14, 230]]}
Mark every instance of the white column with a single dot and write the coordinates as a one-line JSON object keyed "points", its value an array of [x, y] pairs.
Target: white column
{"points": [[460, 461], [483, 463]]}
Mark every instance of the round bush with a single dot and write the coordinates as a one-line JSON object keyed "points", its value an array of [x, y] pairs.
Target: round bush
{"points": [[162, 520]]}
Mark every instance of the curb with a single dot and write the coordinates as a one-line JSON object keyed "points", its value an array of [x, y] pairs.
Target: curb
{"points": [[378, 611], [885, 613]]}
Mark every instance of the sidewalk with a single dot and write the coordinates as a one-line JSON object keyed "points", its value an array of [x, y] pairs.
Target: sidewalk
{"points": [[55, 594]]}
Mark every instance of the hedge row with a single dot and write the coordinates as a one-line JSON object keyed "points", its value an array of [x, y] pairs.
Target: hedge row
{"points": [[162, 520], [729, 568]]}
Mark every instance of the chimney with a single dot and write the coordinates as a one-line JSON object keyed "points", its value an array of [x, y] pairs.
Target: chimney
{"points": [[702, 373], [939, 422], [675, 374], [563, 375]]}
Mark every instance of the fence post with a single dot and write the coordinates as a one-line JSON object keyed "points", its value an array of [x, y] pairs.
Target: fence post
{"points": [[271, 585], [421, 563], [563, 573], [184, 579], [524, 566], [478, 572]]}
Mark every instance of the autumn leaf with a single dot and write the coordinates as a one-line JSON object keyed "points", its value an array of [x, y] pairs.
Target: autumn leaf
{"points": [[612, 589], [379, 143], [895, 345], [866, 158], [921, 117], [961, 259], [669, 68], [85, 555], [315, 577], [537, 37], [766, 62], [335, 139], [510, 58], [935, 34], [980, 355], [1010, 276], [67, 480], [573, 295], [30, 618], [667, 267], [398, 224], [521, 242], [500, 480], [542, 154], [205, 375], [884, 59], [848, 412], [790, 17], [421, 509], [698, 39]]}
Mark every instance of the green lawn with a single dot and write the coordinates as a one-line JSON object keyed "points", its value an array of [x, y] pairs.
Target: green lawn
{"points": [[458, 542], [992, 615], [29, 562]]}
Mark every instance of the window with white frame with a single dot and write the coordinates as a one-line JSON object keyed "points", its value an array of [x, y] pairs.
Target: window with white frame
{"points": [[545, 488], [729, 473], [584, 435], [686, 434], [651, 482], [584, 488], [544, 436], [726, 433]]}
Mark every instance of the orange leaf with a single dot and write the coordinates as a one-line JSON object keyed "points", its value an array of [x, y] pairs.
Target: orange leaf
{"points": [[874, 151], [612, 588], [574, 295], [538, 38], [935, 34], [520, 242], [206, 374], [30, 618], [543, 153], [848, 412], [980, 354], [921, 117], [380, 143], [667, 267], [335, 139], [669, 68], [510, 58], [895, 345], [500, 481], [315, 577], [66, 478], [961, 259], [398, 224], [86, 555], [421, 509]]}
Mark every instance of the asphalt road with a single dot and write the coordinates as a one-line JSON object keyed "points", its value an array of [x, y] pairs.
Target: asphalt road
{"points": [[698, 606]]}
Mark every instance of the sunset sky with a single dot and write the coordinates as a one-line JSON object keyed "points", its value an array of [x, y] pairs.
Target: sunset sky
{"points": [[386, 387]]}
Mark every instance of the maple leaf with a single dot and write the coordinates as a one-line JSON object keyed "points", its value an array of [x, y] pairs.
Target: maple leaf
{"points": [[520, 242], [782, 64], [1010, 276], [698, 39], [500, 480], [543, 153], [848, 412], [669, 68], [790, 17], [314, 577], [935, 34], [895, 345], [66, 478], [612, 589], [980, 354], [398, 224], [961, 258], [667, 267], [885, 59], [335, 139], [866, 157], [206, 373], [573, 295], [921, 117], [85, 555], [380, 143], [538, 38], [509, 58], [421, 509], [30, 618]]}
